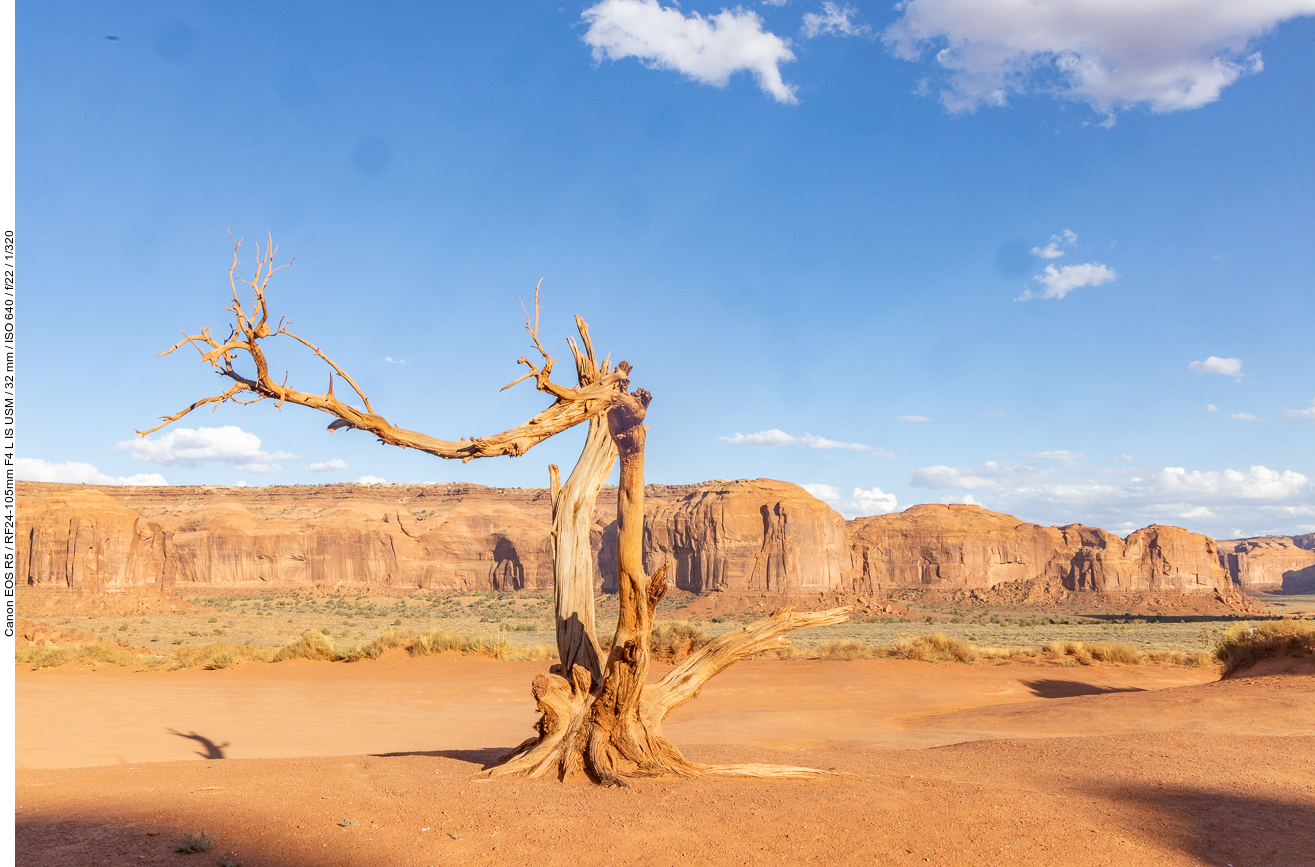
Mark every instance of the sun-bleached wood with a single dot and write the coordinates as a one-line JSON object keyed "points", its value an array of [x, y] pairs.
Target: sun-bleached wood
{"points": [[598, 716]]}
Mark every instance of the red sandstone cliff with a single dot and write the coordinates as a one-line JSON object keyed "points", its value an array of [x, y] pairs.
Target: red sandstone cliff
{"points": [[964, 546], [758, 535], [1270, 562]]}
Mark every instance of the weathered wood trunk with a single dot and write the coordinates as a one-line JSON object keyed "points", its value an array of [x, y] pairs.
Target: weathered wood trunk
{"points": [[611, 727], [597, 717]]}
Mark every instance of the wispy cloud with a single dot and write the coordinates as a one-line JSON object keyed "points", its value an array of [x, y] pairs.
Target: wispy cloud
{"points": [[913, 418], [992, 475], [1169, 55], [1222, 366], [1245, 416], [862, 502], [1052, 250], [708, 50], [1060, 281], [833, 21], [391, 360], [1210, 407], [1294, 414], [76, 473], [189, 448], [776, 437], [334, 465]]}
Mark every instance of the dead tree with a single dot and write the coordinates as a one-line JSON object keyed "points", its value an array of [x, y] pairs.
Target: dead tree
{"points": [[597, 714]]}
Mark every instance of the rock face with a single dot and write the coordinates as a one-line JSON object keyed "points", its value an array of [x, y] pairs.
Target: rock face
{"points": [[1271, 563], [751, 536], [725, 535], [965, 546], [762, 535]]}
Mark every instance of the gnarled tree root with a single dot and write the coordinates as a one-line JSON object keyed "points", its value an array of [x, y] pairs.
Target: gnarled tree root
{"points": [[576, 734]]}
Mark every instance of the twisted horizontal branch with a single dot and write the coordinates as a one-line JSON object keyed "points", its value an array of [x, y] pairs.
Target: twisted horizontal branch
{"points": [[599, 386]]}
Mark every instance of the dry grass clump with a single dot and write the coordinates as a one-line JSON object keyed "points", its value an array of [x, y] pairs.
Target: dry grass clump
{"points": [[313, 644], [673, 640], [1195, 659], [845, 649], [441, 641], [219, 654], [1243, 645], [388, 640], [936, 648]]}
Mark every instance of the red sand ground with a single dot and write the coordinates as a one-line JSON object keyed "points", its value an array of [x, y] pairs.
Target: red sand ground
{"points": [[952, 764]]}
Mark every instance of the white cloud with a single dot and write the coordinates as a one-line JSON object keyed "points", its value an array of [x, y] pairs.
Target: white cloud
{"points": [[1222, 366], [775, 437], [825, 493], [913, 418], [336, 464], [875, 501], [1122, 459], [371, 480], [1210, 407], [995, 413], [1245, 416], [834, 21], [1069, 460], [75, 473], [1051, 251], [992, 475], [708, 50], [1063, 280], [1170, 55], [1294, 414], [872, 502], [186, 447], [391, 360]]}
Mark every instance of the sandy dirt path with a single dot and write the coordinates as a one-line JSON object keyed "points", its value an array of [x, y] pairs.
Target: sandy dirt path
{"points": [[112, 715], [1094, 766]]}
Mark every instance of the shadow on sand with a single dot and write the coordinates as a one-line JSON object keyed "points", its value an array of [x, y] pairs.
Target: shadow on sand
{"points": [[1049, 688], [212, 749], [485, 758]]}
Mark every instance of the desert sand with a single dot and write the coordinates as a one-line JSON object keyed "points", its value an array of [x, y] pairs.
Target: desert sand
{"points": [[376, 763]]}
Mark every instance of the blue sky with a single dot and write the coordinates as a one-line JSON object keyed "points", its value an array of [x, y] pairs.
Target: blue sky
{"points": [[1055, 261]]}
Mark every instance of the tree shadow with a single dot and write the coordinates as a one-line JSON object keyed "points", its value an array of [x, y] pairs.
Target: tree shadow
{"points": [[212, 749], [1050, 688], [485, 758], [1229, 827]]}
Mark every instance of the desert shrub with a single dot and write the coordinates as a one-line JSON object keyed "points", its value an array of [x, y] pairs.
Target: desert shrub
{"points": [[441, 640], [533, 651], [845, 649], [45, 657], [378, 647], [438, 641], [313, 644], [190, 843], [674, 640], [107, 653], [935, 648], [1120, 654], [1243, 645]]}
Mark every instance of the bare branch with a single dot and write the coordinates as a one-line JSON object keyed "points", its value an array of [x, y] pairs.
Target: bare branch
{"points": [[570, 407]]}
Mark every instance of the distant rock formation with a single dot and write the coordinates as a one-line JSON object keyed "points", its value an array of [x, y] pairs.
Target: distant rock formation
{"points": [[739, 536], [966, 546], [1268, 563]]}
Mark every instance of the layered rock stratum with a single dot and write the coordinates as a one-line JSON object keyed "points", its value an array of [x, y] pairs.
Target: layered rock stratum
{"points": [[740, 536]]}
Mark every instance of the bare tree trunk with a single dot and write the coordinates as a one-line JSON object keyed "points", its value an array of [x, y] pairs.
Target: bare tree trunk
{"points": [[612, 728], [573, 568], [597, 718]]}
